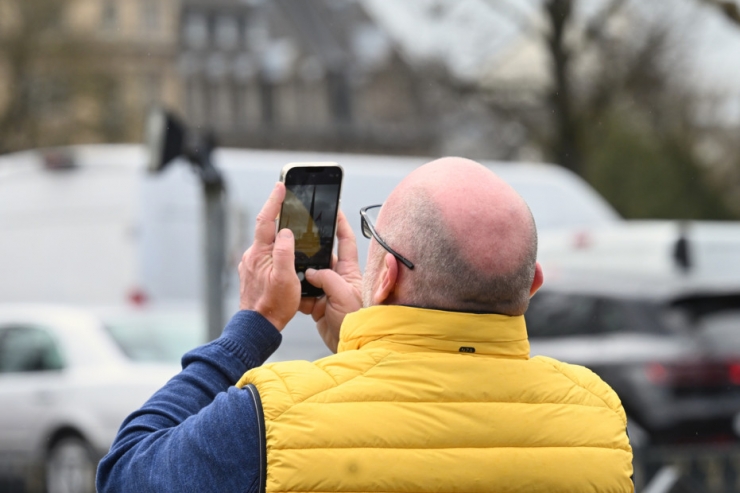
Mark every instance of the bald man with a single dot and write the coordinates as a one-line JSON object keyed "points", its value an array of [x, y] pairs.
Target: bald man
{"points": [[432, 387]]}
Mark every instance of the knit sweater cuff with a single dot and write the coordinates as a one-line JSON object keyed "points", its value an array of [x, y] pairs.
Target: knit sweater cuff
{"points": [[250, 337]]}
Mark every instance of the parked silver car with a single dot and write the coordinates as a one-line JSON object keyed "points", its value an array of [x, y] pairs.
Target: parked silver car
{"points": [[69, 377], [661, 347]]}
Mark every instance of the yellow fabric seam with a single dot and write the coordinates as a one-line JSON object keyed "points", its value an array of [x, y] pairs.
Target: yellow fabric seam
{"points": [[310, 398], [285, 384], [586, 389]]}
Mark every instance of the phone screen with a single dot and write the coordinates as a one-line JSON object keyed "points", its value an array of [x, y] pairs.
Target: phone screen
{"points": [[310, 212]]}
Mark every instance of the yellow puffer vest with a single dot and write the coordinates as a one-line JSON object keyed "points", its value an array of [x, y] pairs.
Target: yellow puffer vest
{"points": [[423, 400]]}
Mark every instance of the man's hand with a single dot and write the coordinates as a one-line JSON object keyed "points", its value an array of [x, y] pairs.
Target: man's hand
{"points": [[342, 285], [268, 282]]}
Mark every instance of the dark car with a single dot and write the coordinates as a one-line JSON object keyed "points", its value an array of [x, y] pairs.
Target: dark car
{"points": [[672, 355]]}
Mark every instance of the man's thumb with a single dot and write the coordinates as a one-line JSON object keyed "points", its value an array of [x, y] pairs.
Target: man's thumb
{"points": [[283, 252], [313, 276], [328, 280]]}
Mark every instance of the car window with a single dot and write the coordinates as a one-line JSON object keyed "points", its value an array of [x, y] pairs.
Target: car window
{"points": [[156, 337], [721, 330], [559, 315], [565, 314], [616, 316], [657, 318], [28, 349], [700, 305]]}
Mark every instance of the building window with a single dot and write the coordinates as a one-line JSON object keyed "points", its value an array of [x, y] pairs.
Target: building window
{"points": [[241, 110], [113, 118], [150, 12], [339, 97], [49, 93], [151, 89], [222, 102], [267, 102], [227, 32], [109, 15], [195, 30], [196, 103]]}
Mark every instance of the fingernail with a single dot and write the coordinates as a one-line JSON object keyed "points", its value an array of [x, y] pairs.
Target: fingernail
{"points": [[285, 233], [310, 272]]}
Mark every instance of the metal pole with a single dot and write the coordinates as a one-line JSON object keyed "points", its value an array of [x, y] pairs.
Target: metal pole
{"points": [[214, 230], [168, 138]]}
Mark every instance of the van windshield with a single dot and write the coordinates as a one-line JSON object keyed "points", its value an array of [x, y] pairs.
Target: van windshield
{"points": [[555, 206]]}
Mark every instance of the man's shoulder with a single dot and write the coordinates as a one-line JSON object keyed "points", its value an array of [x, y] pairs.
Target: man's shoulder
{"points": [[287, 383], [586, 379], [340, 366]]}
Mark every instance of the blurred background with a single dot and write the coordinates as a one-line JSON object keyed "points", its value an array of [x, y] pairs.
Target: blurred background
{"points": [[602, 88], [634, 107]]}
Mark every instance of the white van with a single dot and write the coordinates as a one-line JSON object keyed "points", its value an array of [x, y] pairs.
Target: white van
{"points": [[675, 253], [99, 230], [105, 228]]}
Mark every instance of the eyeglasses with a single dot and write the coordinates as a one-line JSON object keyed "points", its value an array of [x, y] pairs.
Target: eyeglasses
{"points": [[368, 231]]}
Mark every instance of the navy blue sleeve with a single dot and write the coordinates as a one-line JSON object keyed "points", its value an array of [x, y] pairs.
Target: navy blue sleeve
{"points": [[198, 432]]}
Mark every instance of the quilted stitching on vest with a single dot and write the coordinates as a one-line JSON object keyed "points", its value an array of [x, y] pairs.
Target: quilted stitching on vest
{"points": [[391, 416]]}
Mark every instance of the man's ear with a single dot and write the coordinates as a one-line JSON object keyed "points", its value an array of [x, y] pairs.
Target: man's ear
{"points": [[539, 278], [388, 277]]}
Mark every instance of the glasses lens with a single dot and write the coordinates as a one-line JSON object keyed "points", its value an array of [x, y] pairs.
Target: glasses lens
{"points": [[366, 229], [370, 217], [372, 214]]}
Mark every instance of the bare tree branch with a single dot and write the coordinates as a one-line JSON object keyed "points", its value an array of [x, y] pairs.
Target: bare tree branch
{"points": [[728, 7], [515, 14], [595, 29]]}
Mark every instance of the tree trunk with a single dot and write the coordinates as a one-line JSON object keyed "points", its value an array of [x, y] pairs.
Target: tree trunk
{"points": [[566, 146]]}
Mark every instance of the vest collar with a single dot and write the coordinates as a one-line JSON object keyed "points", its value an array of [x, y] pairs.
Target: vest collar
{"points": [[409, 329]]}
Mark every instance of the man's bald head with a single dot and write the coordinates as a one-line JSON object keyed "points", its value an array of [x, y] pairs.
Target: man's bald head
{"points": [[470, 235]]}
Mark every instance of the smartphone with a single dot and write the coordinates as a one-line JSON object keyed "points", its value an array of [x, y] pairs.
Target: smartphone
{"points": [[310, 210]]}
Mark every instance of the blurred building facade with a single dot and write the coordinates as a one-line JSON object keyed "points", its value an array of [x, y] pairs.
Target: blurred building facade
{"points": [[84, 70], [306, 75], [271, 74]]}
